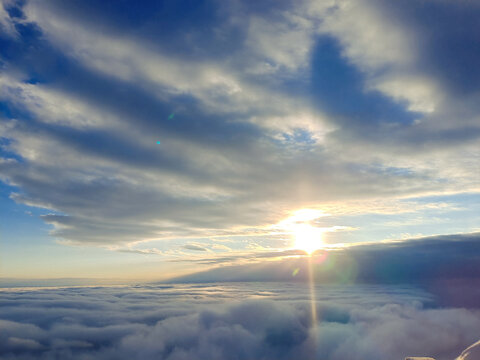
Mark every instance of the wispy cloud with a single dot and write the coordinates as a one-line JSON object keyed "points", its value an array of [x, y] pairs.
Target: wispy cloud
{"points": [[434, 262], [194, 247]]}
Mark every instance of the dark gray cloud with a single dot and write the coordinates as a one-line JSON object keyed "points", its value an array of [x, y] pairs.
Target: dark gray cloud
{"points": [[446, 265], [449, 38], [194, 247], [250, 256], [231, 321]]}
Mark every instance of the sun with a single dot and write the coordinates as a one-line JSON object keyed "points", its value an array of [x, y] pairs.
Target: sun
{"points": [[308, 238], [299, 225]]}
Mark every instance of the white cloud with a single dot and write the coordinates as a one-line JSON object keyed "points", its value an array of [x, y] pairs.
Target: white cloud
{"points": [[369, 38], [386, 49], [421, 93], [54, 106], [258, 320], [284, 43]]}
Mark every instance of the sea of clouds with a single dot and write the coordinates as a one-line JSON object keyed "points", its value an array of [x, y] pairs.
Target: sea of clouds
{"points": [[232, 321]]}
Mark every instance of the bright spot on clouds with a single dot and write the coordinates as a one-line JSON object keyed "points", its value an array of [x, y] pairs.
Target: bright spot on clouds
{"points": [[308, 238]]}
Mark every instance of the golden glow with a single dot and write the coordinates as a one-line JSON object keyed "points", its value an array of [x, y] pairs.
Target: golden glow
{"points": [[306, 215], [299, 225], [307, 237], [302, 226]]}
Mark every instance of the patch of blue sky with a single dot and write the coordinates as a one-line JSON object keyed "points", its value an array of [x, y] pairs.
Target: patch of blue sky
{"points": [[7, 154], [23, 221], [433, 218], [299, 139], [9, 111], [34, 80], [339, 88], [5, 110], [11, 48], [455, 199], [380, 170], [393, 171], [6, 190], [300, 136]]}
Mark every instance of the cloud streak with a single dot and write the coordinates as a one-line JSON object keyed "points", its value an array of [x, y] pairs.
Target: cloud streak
{"points": [[448, 261]]}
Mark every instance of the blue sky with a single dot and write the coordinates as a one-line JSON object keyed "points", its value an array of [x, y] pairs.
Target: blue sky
{"points": [[280, 123]]}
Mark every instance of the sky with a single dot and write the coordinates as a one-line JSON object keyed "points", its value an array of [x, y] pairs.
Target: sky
{"points": [[156, 139]]}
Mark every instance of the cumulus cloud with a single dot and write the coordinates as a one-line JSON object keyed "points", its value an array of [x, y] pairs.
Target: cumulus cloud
{"points": [[239, 321]]}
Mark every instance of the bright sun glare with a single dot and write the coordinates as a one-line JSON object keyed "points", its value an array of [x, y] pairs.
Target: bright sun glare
{"points": [[308, 238]]}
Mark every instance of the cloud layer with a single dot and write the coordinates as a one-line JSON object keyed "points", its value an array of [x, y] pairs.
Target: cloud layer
{"points": [[231, 321], [421, 261], [260, 110]]}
